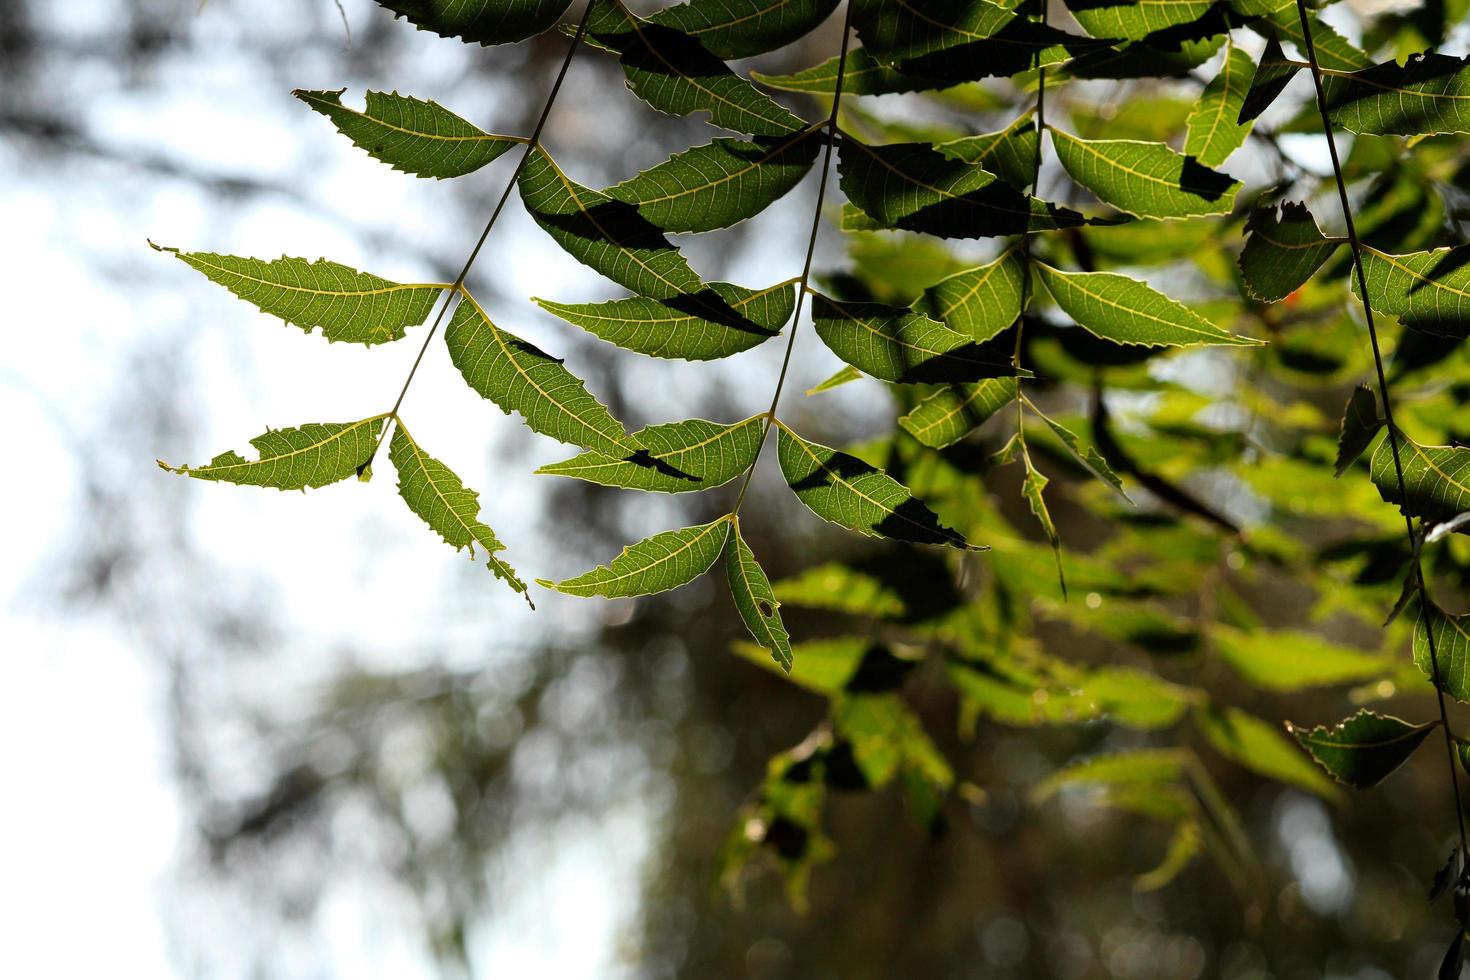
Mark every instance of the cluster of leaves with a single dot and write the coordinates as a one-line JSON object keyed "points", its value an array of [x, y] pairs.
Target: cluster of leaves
{"points": [[1197, 440]]}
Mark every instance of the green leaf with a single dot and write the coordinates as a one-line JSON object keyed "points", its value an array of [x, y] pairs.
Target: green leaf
{"points": [[1334, 52], [674, 73], [1010, 154], [1360, 423], [1087, 455], [915, 187], [1137, 698], [862, 75], [1130, 769], [721, 183], [1436, 478], [1285, 660], [1429, 95], [843, 376], [665, 561], [950, 413], [1213, 131], [731, 29], [980, 302], [1364, 750], [1451, 650], [1185, 845], [894, 343], [312, 455], [847, 491], [347, 305], [886, 739], [822, 666], [1428, 291], [1132, 21], [720, 320], [1127, 311], [480, 21], [755, 600], [675, 457], [1032, 489], [1145, 179], [842, 588], [604, 233], [435, 493], [1282, 251], [411, 135], [1260, 747], [1271, 77], [520, 377]]}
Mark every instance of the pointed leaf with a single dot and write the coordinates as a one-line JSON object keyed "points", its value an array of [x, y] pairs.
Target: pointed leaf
{"points": [[1213, 131], [1428, 291], [1010, 154], [1451, 650], [1285, 660], [1133, 768], [731, 29], [718, 321], [1032, 488], [1185, 845], [1430, 94], [822, 666], [952, 412], [311, 455], [480, 21], [980, 302], [915, 187], [1360, 423], [1271, 77], [1334, 52], [1146, 179], [665, 561], [606, 234], [1109, 18], [847, 491], [842, 377], [721, 183], [411, 135], [1260, 747], [676, 457], [1282, 251], [519, 377], [1364, 750], [755, 599], [674, 73], [1437, 478], [435, 493], [1087, 455], [351, 306], [862, 75], [1127, 311], [894, 343]]}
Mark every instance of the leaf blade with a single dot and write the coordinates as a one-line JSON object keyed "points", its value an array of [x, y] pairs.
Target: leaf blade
{"points": [[1127, 311], [755, 599], [306, 456], [656, 564], [1145, 179], [676, 457]]}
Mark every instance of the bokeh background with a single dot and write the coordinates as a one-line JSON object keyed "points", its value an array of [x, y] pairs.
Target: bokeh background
{"points": [[251, 734]]}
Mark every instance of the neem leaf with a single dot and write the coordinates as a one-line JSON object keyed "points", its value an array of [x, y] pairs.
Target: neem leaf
{"points": [[1133, 768], [1087, 455], [1437, 478], [604, 233], [915, 187], [1213, 130], [1127, 311], [480, 21], [721, 183], [1272, 75], [1334, 52], [435, 493], [824, 666], [841, 377], [897, 344], [720, 320], [1286, 660], [953, 411], [520, 377], [665, 561], [755, 600], [1430, 94], [847, 491], [1111, 19], [1260, 747], [411, 135], [1184, 846], [1428, 291], [675, 457], [732, 29], [1145, 179], [1282, 251], [1451, 650], [351, 306], [862, 75], [1364, 750], [1360, 423], [311, 455], [980, 302], [674, 73], [1009, 154], [1032, 488]]}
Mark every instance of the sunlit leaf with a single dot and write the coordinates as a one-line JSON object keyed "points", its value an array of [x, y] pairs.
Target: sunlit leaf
{"points": [[1282, 251], [1146, 179], [1127, 311], [755, 600], [1428, 291], [900, 345], [1262, 748], [1214, 131], [1285, 660], [665, 561], [948, 414], [981, 301], [311, 455], [1108, 18], [480, 21], [675, 457], [1436, 478]]}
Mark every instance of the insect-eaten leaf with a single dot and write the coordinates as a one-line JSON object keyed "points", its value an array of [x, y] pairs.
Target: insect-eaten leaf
{"points": [[1282, 251], [1364, 750], [981, 301], [662, 562]]}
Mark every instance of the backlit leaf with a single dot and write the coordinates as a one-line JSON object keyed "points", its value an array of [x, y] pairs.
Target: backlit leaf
{"points": [[480, 21], [408, 134], [1360, 423], [949, 413], [1334, 52], [311, 455], [1436, 478], [1010, 154], [675, 457], [1109, 18], [755, 600], [1282, 251], [665, 561], [1430, 94], [1286, 660], [980, 302], [731, 29], [1273, 73], [862, 75], [1451, 650], [900, 345], [1145, 179], [1428, 291], [1127, 311], [1261, 747], [1214, 131], [1363, 750]]}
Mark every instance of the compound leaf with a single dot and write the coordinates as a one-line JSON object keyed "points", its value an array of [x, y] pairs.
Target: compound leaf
{"points": [[675, 457], [1271, 77], [662, 562], [311, 455], [1132, 21]]}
